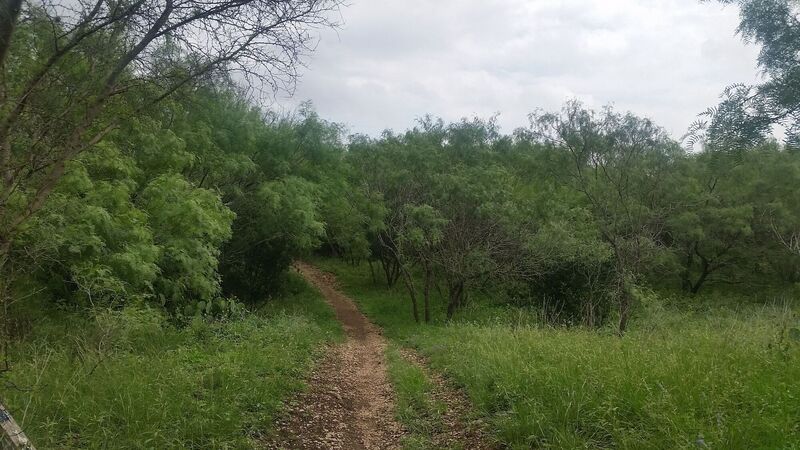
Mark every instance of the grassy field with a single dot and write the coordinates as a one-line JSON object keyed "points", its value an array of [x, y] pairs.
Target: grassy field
{"points": [[129, 379], [722, 378]]}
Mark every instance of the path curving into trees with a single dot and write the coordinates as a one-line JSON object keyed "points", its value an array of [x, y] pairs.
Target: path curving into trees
{"points": [[350, 401]]}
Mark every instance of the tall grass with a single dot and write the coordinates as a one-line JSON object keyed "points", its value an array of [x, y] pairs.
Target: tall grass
{"points": [[415, 408], [130, 379], [701, 378]]}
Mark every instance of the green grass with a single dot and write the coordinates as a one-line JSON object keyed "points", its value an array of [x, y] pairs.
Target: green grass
{"points": [[715, 378], [129, 379], [415, 409]]}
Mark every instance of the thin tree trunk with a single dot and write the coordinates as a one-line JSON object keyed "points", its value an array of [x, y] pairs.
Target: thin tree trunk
{"points": [[5, 251], [455, 297], [624, 304], [396, 272], [427, 293], [386, 270], [390, 269], [686, 281], [589, 311], [706, 271], [372, 271], [411, 292]]}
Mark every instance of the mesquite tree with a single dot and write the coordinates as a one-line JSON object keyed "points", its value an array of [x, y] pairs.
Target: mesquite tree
{"points": [[620, 165], [71, 71]]}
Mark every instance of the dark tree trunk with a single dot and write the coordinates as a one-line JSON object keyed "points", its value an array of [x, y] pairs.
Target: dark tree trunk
{"points": [[386, 264], [689, 286], [456, 297], [427, 293], [704, 273], [412, 292], [391, 269], [686, 275], [5, 252], [624, 311], [589, 312], [372, 271], [395, 273], [624, 303]]}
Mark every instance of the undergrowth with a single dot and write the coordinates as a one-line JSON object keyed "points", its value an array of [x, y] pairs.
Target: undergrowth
{"points": [[700, 377], [132, 379]]}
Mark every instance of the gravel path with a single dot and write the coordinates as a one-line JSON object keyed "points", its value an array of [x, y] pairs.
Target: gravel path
{"points": [[349, 404]]}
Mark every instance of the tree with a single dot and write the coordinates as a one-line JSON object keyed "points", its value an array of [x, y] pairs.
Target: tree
{"points": [[711, 229], [274, 224], [450, 209], [420, 240], [619, 164], [73, 71], [746, 115]]}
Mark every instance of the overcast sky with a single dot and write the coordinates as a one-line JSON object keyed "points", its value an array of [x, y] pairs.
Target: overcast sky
{"points": [[392, 61]]}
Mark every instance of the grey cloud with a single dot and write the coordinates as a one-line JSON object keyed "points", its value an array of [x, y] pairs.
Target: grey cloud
{"points": [[396, 60]]}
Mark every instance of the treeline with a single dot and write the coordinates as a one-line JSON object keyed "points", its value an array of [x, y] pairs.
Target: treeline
{"points": [[580, 211], [575, 213], [134, 170], [203, 204]]}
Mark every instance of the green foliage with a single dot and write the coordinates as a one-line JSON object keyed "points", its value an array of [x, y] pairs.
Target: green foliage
{"points": [[147, 225], [746, 114], [352, 217], [414, 408], [194, 202], [728, 377], [92, 234], [131, 379], [276, 223], [572, 215], [190, 224]]}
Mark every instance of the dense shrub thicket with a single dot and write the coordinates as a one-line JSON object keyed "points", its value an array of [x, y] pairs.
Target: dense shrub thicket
{"points": [[200, 201], [576, 213]]}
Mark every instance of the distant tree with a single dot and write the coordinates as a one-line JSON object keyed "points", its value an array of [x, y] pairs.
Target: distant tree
{"points": [[486, 236], [620, 166], [778, 178], [711, 227], [420, 240]]}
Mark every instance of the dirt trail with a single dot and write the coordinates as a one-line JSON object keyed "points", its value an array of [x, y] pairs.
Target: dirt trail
{"points": [[349, 404]]}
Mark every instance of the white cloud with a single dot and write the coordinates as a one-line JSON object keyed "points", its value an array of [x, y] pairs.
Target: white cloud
{"points": [[396, 60]]}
